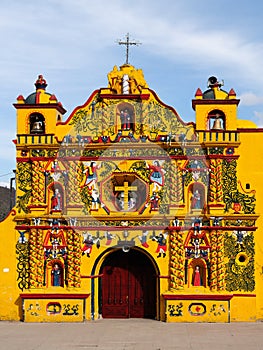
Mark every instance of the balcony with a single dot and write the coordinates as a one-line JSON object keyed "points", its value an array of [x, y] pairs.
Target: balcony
{"points": [[219, 136], [26, 139]]}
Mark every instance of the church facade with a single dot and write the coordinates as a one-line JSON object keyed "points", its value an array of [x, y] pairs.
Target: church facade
{"points": [[124, 210]]}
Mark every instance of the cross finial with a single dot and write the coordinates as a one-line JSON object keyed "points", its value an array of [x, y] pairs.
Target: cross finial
{"points": [[127, 42]]}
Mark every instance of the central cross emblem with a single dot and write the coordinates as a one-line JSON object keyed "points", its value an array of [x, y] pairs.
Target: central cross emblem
{"points": [[126, 189]]}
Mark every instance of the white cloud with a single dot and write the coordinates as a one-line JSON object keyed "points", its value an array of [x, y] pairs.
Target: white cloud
{"points": [[72, 42], [251, 99]]}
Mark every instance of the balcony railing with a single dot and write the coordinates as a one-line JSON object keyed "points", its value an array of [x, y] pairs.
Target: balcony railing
{"points": [[218, 136], [35, 139]]}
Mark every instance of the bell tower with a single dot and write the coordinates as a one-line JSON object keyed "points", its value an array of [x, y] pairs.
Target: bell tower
{"points": [[215, 109], [37, 114]]}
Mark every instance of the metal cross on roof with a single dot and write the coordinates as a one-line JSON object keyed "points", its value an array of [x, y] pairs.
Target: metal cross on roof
{"points": [[127, 42]]}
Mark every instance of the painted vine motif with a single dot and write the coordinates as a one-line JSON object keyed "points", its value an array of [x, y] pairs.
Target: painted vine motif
{"points": [[215, 188], [22, 251], [230, 192], [240, 274], [24, 178]]}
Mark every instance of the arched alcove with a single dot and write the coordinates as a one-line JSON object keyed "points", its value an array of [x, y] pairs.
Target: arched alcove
{"points": [[56, 197], [128, 287], [216, 120], [37, 123], [196, 197], [55, 273], [197, 273]]}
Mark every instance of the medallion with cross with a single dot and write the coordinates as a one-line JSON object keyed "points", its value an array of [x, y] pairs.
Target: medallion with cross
{"points": [[126, 189]]}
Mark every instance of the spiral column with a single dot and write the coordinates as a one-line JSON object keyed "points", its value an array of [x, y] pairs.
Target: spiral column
{"points": [[73, 258], [38, 182], [176, 260], [36, 258]]}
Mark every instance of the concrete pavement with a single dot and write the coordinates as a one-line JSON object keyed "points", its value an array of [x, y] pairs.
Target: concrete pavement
{"points": [[130, 334]]}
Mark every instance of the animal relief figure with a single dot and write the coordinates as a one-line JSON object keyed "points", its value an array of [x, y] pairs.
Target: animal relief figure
{"points": [[176, 310]]}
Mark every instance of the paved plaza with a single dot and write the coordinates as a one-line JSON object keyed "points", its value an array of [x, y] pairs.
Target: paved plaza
{"points": [[130, 334]]}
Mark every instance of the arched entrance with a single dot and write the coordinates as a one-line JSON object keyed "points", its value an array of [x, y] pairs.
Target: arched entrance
{"points": [[128, 286]]}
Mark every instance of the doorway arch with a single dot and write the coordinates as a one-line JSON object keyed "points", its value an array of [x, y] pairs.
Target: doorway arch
{"points": [[128, 287]]}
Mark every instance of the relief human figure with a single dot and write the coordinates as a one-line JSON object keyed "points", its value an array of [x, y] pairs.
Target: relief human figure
{"points": [[156, 175], [197, 281], [91, 175], [125, 119], [56, 200], [162, 245], [56, 274], [196, 200]]}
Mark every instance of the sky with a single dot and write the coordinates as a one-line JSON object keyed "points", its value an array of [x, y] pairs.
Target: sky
{"points": [[74, 44]]}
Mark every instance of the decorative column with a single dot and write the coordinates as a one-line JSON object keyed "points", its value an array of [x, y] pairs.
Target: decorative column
{"points": [[213, 261], [73, 259], [216, 188], [38, 183], [217, 279], [73, 196], [220, 262], [176, 184], [36, 260], [176, 260]]}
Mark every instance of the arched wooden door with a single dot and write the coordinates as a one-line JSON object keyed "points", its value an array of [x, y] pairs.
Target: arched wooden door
{"points": [[128, 286]]}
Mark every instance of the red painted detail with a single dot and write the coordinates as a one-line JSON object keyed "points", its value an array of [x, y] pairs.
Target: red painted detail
{"points": [[232, 93], [128, 286], [128, 96], [248, 130], [198, 92], [198, 297], [52, 98], [212, 102], [20, 98], [245, 295], [160, 276], [37, 206], [53, 296], [94, 276], [57, 106]]}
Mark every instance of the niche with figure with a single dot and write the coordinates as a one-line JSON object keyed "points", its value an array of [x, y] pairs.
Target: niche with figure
{"points": [[126, 117], [196, 197], [216, 120], [56, 273], [197, 273], [37, 123], [56, 194]]}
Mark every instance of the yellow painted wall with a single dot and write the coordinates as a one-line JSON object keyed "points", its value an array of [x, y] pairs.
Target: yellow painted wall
{"points": [[177, 301], [10, 305]]}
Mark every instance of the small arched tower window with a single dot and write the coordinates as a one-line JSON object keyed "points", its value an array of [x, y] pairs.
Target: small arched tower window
{"points": [[37, 123], [216, 120]]}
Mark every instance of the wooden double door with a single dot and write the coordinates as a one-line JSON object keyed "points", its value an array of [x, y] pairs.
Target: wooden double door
{"points": [[128, 286]]}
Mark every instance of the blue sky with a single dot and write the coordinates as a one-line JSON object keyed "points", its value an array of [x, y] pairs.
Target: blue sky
{"points": [[73, 44]]}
